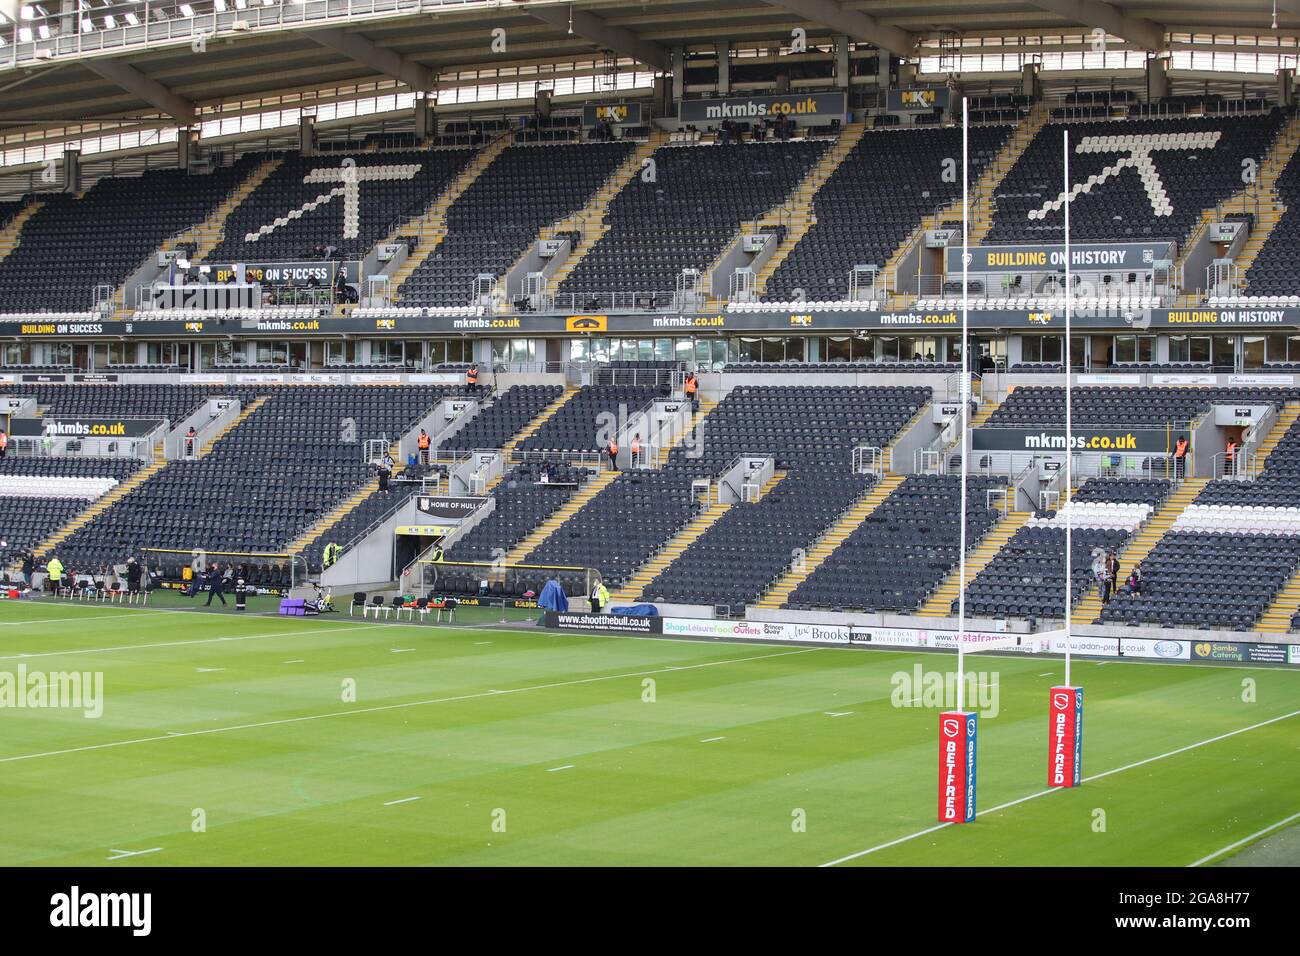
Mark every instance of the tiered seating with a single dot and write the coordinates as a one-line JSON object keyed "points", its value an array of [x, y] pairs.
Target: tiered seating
{"points": [[1217, 581], [509, 412], [263, 484], [71, 245], [904, 549], [685, 217], [593, 410], [172, 402], [524, 189], [303, 204], [810, 431], [1275, 271], [800, 367], [522, 503], [1194, 164], [1124, 405], [38, 496], [1027, 577], [369, 510], [882, 190]]}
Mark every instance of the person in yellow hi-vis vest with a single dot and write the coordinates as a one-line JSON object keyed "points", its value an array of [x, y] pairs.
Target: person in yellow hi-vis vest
{"points": [[54, 570]]}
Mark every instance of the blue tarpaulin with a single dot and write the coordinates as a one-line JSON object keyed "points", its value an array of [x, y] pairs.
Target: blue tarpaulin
{"points": [[553, 597]]}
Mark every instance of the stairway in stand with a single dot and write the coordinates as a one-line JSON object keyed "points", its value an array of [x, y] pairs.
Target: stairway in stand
{"points": [[12, 234], [678, 543], [431, 227], [1088, 608], [939, 603], [590, 219], [826, 545], [593, 487], [796, 213]]}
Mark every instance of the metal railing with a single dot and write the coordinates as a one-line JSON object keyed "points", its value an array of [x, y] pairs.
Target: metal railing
{"points": [[43, 39], [870, 460]]}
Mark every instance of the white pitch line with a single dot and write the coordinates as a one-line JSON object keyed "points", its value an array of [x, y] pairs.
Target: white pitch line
{"points": [[379, 708], [59, 620], [709, 740], [837, 713], [205, 640], [297, 660], [1048, 674], [400, 650], [481, 643], [1043, 793], [123, 854], [393, 803], [209, 670], [1244, 840], [567, 766]]}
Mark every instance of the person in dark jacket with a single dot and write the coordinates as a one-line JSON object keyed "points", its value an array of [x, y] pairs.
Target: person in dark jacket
{"points": [[132, 576], [29, 565], [216, 586]]}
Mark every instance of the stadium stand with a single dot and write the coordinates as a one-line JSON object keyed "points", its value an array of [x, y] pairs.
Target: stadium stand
{"points": [[501, 213], [39, 495], [874, 201], [305, 204], [505, 415], [102, 237], [687, 214], [289, 466], [522, 503], [1275, 271], [1124, 405], [1136, 179], [594, 409], [810, 432], [903, 549]]}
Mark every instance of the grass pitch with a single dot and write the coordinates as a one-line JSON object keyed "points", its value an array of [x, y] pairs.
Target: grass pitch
{"points": [[229, 740]]}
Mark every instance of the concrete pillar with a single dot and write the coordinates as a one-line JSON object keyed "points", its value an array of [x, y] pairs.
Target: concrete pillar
{"points": [[841, 62], [906, 75], [679, 75], [186, 148], [724, 67], [1286, 87], [425, 123], [1157, 78], [1030, 85], [883, 62], [71, 170], [307, 136]]}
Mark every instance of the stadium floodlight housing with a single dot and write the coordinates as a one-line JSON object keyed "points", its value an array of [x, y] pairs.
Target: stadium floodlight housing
{"points": [[219, 5], [26, 12], [186, 10], [24, 34], [132, 19]]}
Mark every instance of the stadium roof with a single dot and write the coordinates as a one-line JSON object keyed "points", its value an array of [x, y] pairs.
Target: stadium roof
{"points": [[277, 46]]}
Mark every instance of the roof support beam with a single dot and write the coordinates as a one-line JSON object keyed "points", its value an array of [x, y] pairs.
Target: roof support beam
{"points": [[862, 27], [591, 27], [150, 90], [1139, 31], [379, 58]]}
